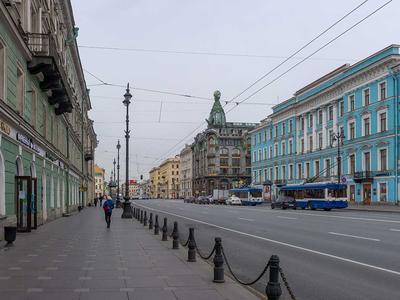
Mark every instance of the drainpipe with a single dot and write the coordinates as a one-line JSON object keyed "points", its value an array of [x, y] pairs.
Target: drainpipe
{"points": [[394, 75]]}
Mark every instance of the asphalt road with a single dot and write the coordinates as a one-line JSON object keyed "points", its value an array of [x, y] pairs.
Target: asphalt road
{"points": [[325, 255]]}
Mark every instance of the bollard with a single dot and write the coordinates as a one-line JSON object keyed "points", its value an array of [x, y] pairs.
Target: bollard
{"points": [[141, 216], [191, 246], [137, 212], [134, 211], [151, 221], [145, 219], [273, 289], [165, 231], [175, 236], [156, 226], [218, 262]]}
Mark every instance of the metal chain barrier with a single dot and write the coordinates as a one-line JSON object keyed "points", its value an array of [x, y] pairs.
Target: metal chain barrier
{"points": [[236, 278], [203, 256], [286, 284]]}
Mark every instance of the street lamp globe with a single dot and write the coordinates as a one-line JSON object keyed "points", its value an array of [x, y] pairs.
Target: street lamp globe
{"points": [[127, 96]]}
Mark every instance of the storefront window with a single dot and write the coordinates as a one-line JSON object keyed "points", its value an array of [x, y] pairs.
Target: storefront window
{"points": [[382, 191]]}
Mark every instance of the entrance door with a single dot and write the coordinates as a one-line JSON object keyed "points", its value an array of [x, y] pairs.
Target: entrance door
{"points": [[26, 202], [367, 193]]}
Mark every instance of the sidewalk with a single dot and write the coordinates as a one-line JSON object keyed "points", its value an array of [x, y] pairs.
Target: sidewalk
{"points": [[77, 258], [389, 208]]}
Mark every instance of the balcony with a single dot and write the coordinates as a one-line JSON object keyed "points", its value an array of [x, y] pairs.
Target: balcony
{"points": [[47, 61], [363, 176], [89, 155]]}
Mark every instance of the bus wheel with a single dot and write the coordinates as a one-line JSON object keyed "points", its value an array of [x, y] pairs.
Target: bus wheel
{"points": [[327, 209], [303, 208]]}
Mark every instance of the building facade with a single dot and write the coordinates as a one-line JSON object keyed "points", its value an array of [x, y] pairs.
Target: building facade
{"points": [[99, 179], [221, 153], [169, 178], [185, 175], [356, 106], [47, 141], [154, 183]]}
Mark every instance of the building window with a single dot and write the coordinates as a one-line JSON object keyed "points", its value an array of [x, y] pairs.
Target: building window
{"points": [[290, 172], [352, 131], [311, 120], [33, 107], [302, 123], [382, 90], [254, 156], [308, 170], [330, 113], [383, 159], [320, 140], [270, 132], [330, 137], [366, 97], [276, 131], [276, 173], [366, 122], [327, 167], [352, 164], [299, 172], [317, 170], [20, 90], [351, 103], [382, 122], [259, 154], [320, 117], [302, 145], [270, 152], [283, 172], [290, 146], [310, 143], [265, 135], [276, 150], [367, 161], [341, 108], [382, 191], [290, 126], [283, 128], [283, 148], [271, 175], [265, 174], [265, 153]]}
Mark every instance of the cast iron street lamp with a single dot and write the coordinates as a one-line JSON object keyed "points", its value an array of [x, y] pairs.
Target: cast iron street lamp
{"points": [[118, 147], [114, 168], [127, 213], [338, 137]]}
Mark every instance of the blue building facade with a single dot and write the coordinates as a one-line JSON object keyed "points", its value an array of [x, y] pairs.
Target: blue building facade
{"points": [[356, 106]]}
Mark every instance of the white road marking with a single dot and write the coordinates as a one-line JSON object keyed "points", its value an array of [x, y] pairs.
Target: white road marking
{"points": [[394, 229], [289, 218], [355, 236], [280, 243], [233, 211], [250, 220]]}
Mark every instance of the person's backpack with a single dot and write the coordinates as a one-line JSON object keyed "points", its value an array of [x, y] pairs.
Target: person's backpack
{"points": [[106, 207]]}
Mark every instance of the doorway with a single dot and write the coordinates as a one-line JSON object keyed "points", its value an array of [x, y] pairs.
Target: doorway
{"points": [[26, 203], [367, 193]]}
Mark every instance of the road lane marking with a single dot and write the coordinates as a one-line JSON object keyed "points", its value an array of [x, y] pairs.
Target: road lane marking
{"points": [[233, 211], [250, 220], [279, 242], [354, 236], [394, 229], [261, 210], [289, 218]]}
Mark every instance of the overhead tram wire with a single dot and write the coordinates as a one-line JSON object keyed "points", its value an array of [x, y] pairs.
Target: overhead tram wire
{"points": [[310, 55], [299, 50]]}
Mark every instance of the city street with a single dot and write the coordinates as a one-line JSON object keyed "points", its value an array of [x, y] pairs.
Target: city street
{"points": [[325, 255]]}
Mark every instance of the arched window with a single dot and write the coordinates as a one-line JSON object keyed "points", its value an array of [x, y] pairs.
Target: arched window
{"points": [[236, 152], [224, 151]]}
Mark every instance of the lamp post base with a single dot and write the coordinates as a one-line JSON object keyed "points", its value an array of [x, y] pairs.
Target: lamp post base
{"points": [[127, 213]]}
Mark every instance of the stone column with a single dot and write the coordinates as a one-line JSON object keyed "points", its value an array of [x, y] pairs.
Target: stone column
{"points": [[305, 132], [324, 137], [314, 133], [297, 140]]}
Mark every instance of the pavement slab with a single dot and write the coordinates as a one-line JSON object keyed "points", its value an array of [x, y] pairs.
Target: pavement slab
{"points": [[78, 258]]}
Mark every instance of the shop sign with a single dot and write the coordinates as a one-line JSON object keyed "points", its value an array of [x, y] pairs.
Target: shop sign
{"points": [[30, 144], [4, 127]]}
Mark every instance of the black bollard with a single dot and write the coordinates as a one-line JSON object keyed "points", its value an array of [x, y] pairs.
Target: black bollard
{"points": [[218, 262], [151, 221], [175, 236], [156, 227], [273, 289], [145, 219], [134, 211], [137, 213], [165, 231], [191, 246], [141, 216]]}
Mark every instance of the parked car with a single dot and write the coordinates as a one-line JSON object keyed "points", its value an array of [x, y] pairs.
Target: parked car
{"points": [[284, 202], [189, 200], [234, 200]]}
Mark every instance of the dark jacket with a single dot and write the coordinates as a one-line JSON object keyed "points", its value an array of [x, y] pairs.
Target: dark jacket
{"points": [[108, 206]]}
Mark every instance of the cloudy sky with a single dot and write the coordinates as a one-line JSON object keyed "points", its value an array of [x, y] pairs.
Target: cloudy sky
{"points": [[195, 47]]}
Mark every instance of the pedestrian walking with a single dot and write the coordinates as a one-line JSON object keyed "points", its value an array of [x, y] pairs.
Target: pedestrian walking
{"points": [[108, 206], [95, 201]]}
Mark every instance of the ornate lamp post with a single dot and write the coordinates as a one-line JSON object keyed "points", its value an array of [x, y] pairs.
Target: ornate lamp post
{"points": [[114, 169], [338, 137], [127, 213], [118, 147]]}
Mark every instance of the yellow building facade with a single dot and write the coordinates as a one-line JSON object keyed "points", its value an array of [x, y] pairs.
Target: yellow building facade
{"points": [[154, 182], [169, 178]]}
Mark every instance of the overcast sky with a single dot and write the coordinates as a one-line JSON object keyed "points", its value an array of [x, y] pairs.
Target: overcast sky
{"points": [[261, 32]]}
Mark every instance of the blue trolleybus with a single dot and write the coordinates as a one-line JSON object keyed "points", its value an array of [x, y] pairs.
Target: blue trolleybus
{"points": [[250, 196], [317, 195]]}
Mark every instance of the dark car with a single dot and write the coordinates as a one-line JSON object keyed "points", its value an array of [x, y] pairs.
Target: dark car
{"points": [[284, 202]]}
